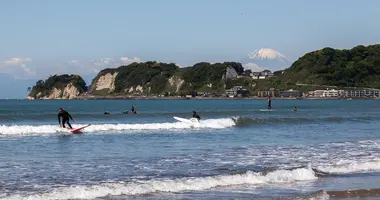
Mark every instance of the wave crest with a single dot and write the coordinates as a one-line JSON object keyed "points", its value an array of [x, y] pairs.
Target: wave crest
{"points": [[175, 185], [31, 130]]}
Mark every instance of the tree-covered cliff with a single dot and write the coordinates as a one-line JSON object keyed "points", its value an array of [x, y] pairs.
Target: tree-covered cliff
{"points": [[58, 87], [153, 78], [356, 67]]}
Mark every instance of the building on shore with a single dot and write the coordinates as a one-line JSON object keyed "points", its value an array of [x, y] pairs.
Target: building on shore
{"points": [[327, 93], [318, 93], [261, 75], [362, 93], [267, 93], [233, 92], [247, 72], [243, 93], [290, 93], [332, 93]]}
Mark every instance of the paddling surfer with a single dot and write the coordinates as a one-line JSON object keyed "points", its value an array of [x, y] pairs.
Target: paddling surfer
{"points": [[65, 118]]}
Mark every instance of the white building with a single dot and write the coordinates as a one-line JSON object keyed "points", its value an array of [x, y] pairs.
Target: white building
{"points": [[328, 93], [319, 93], [262, 75], [233, 91], [362, 93]]}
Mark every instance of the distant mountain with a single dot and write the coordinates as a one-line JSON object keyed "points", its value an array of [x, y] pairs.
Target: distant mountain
{"points": [[265, 58]]}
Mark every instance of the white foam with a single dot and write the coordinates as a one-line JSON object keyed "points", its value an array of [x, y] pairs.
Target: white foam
{"points": [[27, 130], [351, 167], [177, 185]]}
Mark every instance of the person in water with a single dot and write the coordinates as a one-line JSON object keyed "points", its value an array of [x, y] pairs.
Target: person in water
{"points": [[294, 108], [195, 115], [133, 110], [269, 103], [65, 118]]}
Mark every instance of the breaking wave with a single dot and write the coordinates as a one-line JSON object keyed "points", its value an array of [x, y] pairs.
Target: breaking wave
{"points": [[351, 167], [30, 130], [173, 185], [248, 121]]}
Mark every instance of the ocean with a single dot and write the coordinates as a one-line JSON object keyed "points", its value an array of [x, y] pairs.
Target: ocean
{"points": [[328, 149]]}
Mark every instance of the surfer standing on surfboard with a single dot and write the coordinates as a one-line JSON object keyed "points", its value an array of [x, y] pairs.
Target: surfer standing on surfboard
{"points": [[133, 110], [269, 103], [195, 115], [65, 118]]}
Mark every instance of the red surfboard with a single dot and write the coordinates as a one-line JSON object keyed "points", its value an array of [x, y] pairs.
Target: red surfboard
{"points": [[78, 130]]}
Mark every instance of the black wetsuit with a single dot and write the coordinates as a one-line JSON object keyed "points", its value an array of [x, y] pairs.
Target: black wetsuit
{"points": [[269, 104], [133, 110], [65, 118], [195, 115]]}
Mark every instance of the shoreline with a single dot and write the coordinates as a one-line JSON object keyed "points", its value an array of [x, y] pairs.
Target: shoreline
{"points": [[208, 98]]}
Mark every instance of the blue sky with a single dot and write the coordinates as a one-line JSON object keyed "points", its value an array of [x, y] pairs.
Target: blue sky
{"points": [[43, 37]]}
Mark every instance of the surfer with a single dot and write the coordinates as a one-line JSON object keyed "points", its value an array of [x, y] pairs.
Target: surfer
{"points": [[133, 110], [65, 118], [269, 103], [195, 115], [294, 108]]}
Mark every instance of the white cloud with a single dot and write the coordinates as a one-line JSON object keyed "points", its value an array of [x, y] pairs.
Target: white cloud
{"points": [[25, 67], [103, 62], [28, 71], [85, 67], [76, 63], [17, 67], [126, 60], [94, 71], [252, 66], [16, 61], [113, 63], [180, 66]]}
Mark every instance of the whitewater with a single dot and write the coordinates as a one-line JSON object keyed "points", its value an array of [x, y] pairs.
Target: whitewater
{"points": [[325, 150], [30, 130]]}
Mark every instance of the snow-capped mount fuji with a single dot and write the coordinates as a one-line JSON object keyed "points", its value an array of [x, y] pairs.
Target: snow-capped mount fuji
{"points": [[265, 58], [269, 54]]}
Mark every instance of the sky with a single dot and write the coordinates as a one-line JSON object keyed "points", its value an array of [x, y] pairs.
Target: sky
{"points": [[43, 37]]}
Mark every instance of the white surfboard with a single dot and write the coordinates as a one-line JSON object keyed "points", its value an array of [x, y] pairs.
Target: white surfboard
{"points": [[181, 119], [266, 110], [192, 120]]}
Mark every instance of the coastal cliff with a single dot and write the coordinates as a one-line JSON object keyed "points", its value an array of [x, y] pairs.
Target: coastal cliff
{"points": [[58, 87], [358, 67], [154, 78]]}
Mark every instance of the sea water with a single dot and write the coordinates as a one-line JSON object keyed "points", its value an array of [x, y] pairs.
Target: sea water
{"points": [[236, 152]]}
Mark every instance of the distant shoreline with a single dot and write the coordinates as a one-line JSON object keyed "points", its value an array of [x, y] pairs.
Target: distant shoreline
{"points": [[210, 98]]}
